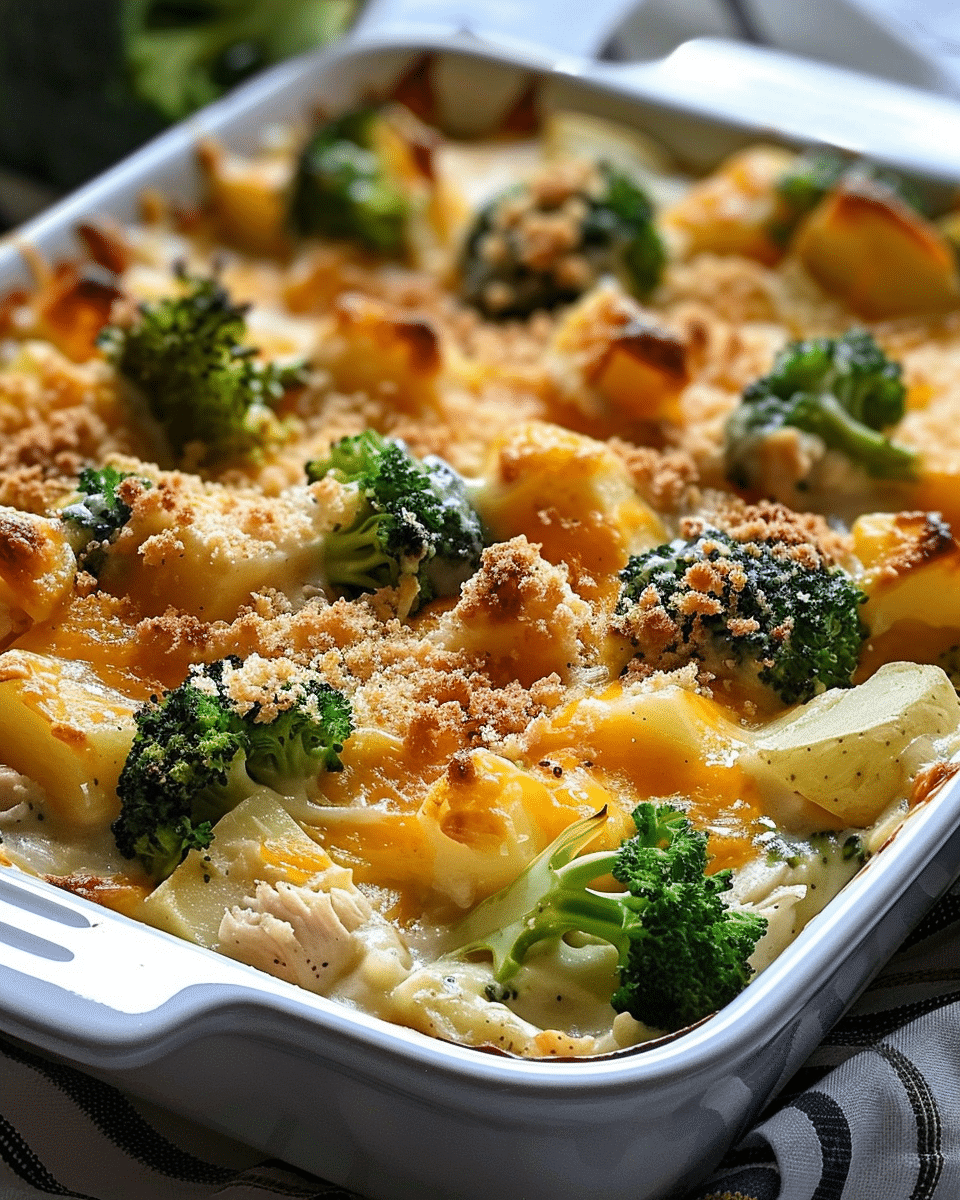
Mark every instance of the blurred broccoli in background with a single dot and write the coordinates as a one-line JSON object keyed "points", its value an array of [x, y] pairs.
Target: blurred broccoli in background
{"points": [[209, 394], [82, 84], [343, 187]]}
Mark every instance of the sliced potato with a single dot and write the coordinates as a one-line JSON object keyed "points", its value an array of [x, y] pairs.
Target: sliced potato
{"points": [[612, 344], [880, 257], [734, 210], [207, 549], [372, 343], [248, 197], [911, 567], [61, 726], [847, 750], [570, 494], [37, 569], [257, 842]]}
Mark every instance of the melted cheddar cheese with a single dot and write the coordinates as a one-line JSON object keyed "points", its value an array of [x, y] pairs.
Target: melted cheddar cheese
{"points": [[489, 721]]}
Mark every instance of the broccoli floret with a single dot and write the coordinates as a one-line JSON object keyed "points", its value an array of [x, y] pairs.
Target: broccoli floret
{"points": [[94, 520], [845, 390], [301, 740], [682, 954], [547, 242], [186, 357], [770, 610], [183, 54], [196, 754], [413, 517], [820, 170], [343, 189]]}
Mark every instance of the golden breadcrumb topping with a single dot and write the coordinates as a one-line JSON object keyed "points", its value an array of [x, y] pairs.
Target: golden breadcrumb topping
{"points": [[489, 715]]}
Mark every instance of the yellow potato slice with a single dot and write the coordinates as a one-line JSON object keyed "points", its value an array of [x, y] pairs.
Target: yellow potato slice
{"points": [[37, 569], [850, 751], [883, 259], [61, 726], [734, 210], [911, 566], [257, 841]]}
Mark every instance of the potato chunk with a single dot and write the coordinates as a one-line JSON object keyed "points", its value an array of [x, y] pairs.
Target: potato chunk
{"points": [[911, 570], [864, 245], [383, 350], [64, 728], [37, 569], [257, 842], [610, 343], [733, 210], [853, 752], [573, 497], [206, 549]]}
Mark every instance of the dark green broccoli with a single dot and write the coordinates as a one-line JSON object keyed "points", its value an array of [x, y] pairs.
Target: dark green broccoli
{"points": [[413, 517], [845, 390], [547, 242], [196, 755], [342, 187], [182, 54], [94, 520], [949, 660], [84, 84], [682, 954], [186, 357], [820, 170], [769, 611]]}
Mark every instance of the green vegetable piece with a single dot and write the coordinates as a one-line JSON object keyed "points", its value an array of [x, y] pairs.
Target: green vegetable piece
{"points": [[301, 740], [83, 85], [790, 622], [96, 518], [342, 188], [196, 756], [413, 517], [186, 356], [845, 390], [183, 54], [682, 954], [608, 229]]}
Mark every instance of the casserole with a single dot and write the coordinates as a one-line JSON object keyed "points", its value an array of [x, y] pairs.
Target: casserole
{"points": [[343, 1095]]}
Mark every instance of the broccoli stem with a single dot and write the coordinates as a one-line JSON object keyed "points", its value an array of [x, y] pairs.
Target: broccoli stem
{"points": [[354, 558], [881, 458], [572, 905]]}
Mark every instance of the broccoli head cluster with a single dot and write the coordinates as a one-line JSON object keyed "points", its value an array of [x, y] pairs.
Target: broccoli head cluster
{"points": [[413, 517], [95, 518], [845, 390], [682, 953], [548, 241], [186, 357], [343, 188], [770, 612], [197, 754]]}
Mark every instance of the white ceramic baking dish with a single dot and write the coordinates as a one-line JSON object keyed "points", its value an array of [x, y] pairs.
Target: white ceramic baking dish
{"points": [[380, 1109]]}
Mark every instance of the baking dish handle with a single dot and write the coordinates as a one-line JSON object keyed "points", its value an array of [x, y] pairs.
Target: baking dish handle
{"points": [[92, 985], [764, 90], [568, 27]]}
